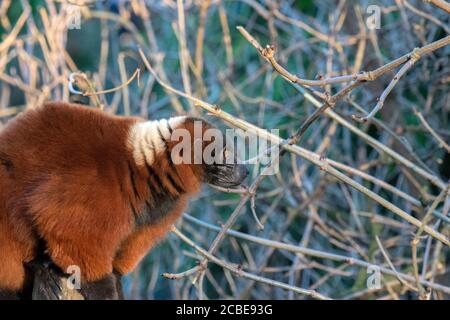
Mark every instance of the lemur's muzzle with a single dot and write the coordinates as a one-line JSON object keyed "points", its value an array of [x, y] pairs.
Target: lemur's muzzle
{"points": [[227, 175], [240, 173]]}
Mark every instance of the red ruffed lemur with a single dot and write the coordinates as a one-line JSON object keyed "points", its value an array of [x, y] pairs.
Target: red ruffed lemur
{"points": [[93, 190]]}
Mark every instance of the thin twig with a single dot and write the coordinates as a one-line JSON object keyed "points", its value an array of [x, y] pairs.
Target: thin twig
{"points": [[442, 143]]}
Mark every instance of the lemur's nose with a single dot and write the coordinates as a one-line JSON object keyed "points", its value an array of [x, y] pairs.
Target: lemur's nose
{"points": [[241, 173]]}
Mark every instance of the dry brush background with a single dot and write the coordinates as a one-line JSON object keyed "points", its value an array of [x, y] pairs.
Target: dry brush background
{"points": [[364, 184]]}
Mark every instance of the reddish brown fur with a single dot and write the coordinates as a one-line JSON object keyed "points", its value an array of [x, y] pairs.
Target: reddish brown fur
{"points": [[65, 177]]}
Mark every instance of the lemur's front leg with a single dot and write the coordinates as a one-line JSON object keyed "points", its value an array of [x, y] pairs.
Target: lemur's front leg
{"points": [[139, 243], [131, 252]]}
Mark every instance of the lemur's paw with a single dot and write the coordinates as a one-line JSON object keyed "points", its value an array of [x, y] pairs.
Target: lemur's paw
{"points": [[108, 288], [48, 280]]}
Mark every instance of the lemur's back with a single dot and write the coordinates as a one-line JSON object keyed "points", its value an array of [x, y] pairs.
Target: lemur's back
{"points": [[63, 137], [61, 142]]}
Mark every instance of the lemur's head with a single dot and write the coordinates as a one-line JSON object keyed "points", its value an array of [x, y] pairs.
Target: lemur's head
{"points": [[205, 148], [195, 149], [214, 161]]}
